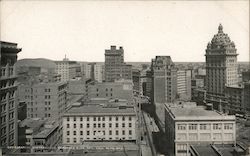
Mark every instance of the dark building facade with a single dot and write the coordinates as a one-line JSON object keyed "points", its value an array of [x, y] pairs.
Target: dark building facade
{"points": [[136, 81], [221, 68], [8, 87], [115, 68], [164, 79]]}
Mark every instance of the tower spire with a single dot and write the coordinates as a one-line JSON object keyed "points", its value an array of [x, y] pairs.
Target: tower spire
{"points": [[220, 28]]}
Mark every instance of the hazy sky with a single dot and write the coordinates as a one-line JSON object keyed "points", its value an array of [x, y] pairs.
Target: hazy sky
{"points": [[84, 29]]}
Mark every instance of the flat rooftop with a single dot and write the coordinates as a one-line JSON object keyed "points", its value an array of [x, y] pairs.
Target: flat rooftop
{"points": [[194, 111], [100, 110], [217, 150], [189, 110]]}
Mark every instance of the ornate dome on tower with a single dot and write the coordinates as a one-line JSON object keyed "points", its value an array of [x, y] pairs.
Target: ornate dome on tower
{"points": [[220, 39]]}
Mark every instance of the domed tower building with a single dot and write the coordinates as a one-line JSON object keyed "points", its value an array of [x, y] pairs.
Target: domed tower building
{"points": [[221, 69]]}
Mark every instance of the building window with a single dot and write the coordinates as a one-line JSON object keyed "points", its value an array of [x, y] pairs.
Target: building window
{"points": [[103, 118], [80, 118], [123, 118], [110, 118], [130, 132], [74, 118], [192, 127], [103, 125], [123, 132], [94, 118], [129, 124], [68, 140], [116, 125], [181, 126], [81, 125], [81, 132], [110, 125], [74, 140], [99, 125], [110, 132], [68, 132], [87, 118], [67, 118], [74, 133], [116, 132], [99, 118], [87, 125], [129, 118], [87, 132], [228, 126], [116, 118], [217, 126], [123, 125], [94, 125], [204, 127], [74, 125]]}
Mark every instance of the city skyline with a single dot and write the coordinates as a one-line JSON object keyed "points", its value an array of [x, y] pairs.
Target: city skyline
{"points": [[139, 27]]}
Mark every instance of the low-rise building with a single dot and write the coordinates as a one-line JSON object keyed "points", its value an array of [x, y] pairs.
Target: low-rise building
{"points": [[188, 124], [99, 123], [122, 89], [46, 138], [38, 134]]}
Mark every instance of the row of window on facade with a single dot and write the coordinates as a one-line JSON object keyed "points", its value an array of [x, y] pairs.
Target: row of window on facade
{"points": [[111, 89], [99, 125], [3, 106], [11, 140], [204, 136], [99, 133], [11, 117], [5, 82], [4, 96], [6, 73], [106, 94], [100, 118], [81, 139], [216, 126], [35, 115]]}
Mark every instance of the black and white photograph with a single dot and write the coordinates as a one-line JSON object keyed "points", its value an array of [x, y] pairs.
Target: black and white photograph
{"points": [[124, 78]]}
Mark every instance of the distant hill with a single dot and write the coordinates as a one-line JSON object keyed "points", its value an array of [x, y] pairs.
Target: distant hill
{"points": [[39, 62]]}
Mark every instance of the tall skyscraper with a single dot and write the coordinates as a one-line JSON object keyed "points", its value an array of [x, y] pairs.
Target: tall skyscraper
{"points": [[115, 68], [221, 68], [164, 82], [8, 100], [164, 79]]}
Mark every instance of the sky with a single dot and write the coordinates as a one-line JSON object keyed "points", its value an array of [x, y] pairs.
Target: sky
{"points": [[82, 30]]}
